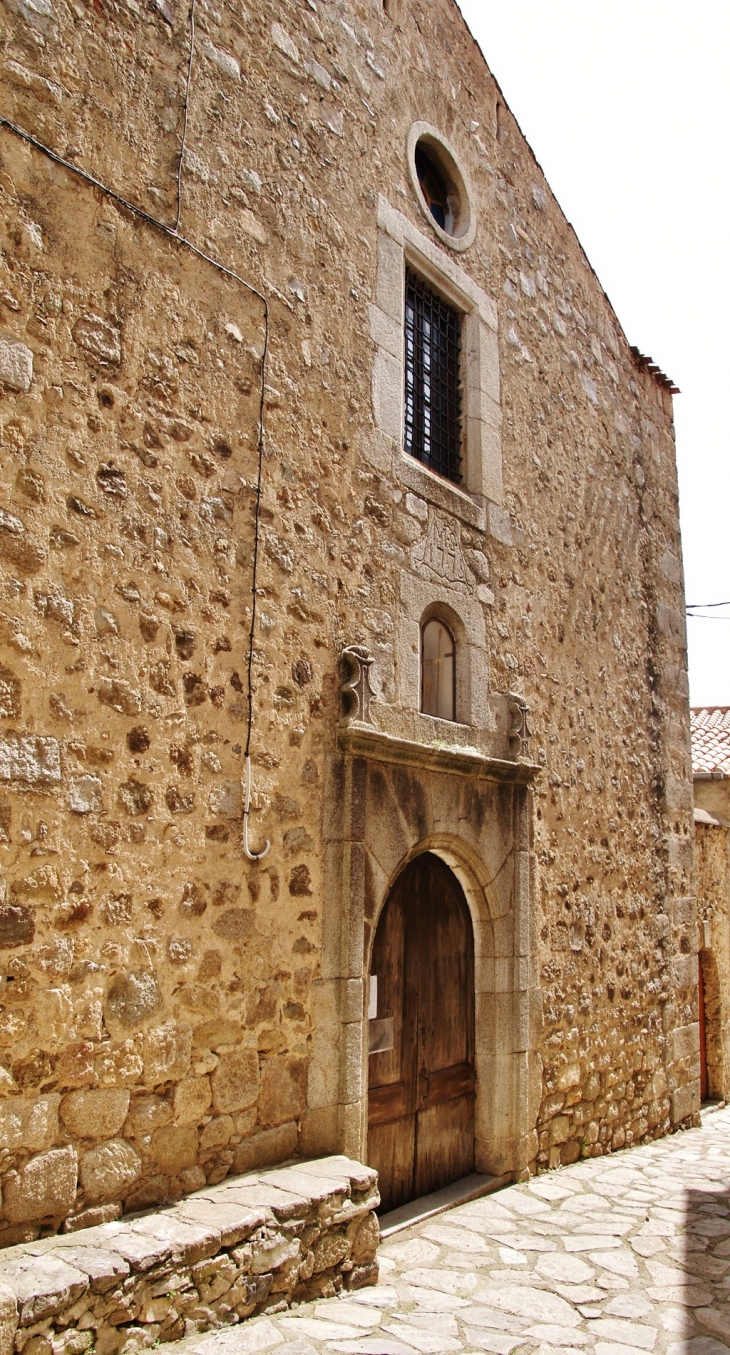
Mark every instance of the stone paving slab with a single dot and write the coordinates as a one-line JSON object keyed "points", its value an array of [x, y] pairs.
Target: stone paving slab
{"points": [[627, 1254]]}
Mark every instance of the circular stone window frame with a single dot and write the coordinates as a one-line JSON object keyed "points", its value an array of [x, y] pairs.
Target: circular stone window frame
{"points": [[457, 182]]}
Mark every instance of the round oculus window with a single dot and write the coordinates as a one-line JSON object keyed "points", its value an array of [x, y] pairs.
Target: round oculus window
{"points": [[441, 186], [434, 190]]}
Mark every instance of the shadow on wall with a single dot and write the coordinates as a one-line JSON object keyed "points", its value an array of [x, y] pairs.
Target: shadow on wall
{"points": [[702, 1298], [713, 1026]]}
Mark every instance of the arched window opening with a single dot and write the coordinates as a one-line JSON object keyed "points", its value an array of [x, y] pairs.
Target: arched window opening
{"points": [[438, 671]]}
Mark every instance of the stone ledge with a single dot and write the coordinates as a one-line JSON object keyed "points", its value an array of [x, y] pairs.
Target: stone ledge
{"points": [[252, 1243], [361, 740]]}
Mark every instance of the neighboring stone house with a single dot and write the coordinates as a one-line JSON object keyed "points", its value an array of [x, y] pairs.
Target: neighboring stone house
{"points": [[467, 694], [711, 776]]}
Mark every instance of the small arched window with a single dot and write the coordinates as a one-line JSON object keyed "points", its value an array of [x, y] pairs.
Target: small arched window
{"points": [[438, 670]]}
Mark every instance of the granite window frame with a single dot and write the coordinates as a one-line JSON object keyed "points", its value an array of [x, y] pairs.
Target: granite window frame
{"points": [[434, 379], [460, 234], [478, 500], [435, 619]]}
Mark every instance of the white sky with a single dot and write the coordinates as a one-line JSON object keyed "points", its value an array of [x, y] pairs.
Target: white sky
{"points": [[627, 107]]}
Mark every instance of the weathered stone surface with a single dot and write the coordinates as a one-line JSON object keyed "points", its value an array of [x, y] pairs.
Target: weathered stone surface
{"points": [[43, 1285], [107, 1171], [121, 696], [235, 1222], [104, 1268], [98, 1113], [283, 1089], [10, 692], [192, 1100], [135, 797], [8, 1320], [167, 1053], [236, 924], [141, 1249], [149, 1113], [265, 1148], [17, 925], [45, 1186], [216, 1034], [712, 865], [175, 1147], [134, 998], [16, 364], [220, 1130], [92, 1217], [330, 1250], [224, 61], [85, 794], [29, 1122], [98, 338], [225, 801], [366, 1239], [235, 1080], [30, 758]]}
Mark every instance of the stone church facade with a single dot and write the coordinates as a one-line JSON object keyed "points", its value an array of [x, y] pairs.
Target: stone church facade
{"points": [[228, 363]]}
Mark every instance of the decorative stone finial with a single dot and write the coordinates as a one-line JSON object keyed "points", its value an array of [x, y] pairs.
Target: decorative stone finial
{"points": [[519, 732], [356, 690]]}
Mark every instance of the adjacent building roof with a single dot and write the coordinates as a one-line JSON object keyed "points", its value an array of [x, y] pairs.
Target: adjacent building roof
{"points": [[710, 741], [712, 820]]}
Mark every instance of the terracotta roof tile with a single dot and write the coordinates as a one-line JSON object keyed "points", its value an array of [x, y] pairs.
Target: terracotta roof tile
{"points": [[711, 739]]}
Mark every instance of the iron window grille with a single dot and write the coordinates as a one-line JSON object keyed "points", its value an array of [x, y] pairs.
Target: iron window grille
{"points": [[433, 380]]}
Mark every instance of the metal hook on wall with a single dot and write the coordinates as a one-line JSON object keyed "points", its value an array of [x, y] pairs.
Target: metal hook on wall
{"points": [[252, 856]]}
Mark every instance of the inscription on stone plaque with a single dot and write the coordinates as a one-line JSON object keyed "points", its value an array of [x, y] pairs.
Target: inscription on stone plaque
{"points": [[440, 552]]}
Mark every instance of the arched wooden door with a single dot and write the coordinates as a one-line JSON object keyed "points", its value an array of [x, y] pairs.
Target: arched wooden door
{"points": [[421, 1082]]}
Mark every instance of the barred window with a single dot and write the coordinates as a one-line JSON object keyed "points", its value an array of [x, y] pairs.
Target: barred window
{"points": [[433, 379]]}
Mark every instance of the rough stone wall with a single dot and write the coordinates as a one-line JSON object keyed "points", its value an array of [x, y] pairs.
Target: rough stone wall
{"points": [[156, 1018], [712, 863]]}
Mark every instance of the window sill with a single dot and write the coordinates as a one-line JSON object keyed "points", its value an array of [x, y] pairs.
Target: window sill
{"points": [[436, 489]]}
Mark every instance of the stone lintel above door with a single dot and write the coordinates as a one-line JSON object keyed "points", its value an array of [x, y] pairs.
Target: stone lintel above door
{"points": [[360, 740]]}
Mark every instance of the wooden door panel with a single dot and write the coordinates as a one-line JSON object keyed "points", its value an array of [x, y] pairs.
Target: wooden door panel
{"points": [[388, 964], [444, 1144], [446, 1084], [391, 1102], [421, 1092], [446, 968], [391, 1150]]}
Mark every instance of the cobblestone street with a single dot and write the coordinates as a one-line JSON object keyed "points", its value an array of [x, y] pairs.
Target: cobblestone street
{"points": [[628, 1253]]}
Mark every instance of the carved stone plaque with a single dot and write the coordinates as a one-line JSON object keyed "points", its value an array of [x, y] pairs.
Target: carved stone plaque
{"points": [[440, 551]]}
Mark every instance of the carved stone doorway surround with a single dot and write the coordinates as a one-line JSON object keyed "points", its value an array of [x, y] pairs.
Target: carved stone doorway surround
{"points": [[388, 800]]}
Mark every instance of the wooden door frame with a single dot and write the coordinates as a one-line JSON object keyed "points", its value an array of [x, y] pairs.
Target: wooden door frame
{"points": [[380, 815]]}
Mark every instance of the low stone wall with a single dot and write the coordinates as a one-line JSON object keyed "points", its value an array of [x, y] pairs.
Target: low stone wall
{"points": [[253, 1243]]}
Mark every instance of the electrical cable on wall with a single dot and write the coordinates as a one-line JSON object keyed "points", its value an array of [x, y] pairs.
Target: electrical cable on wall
{"points": [[173, 233], [696, 611]]}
